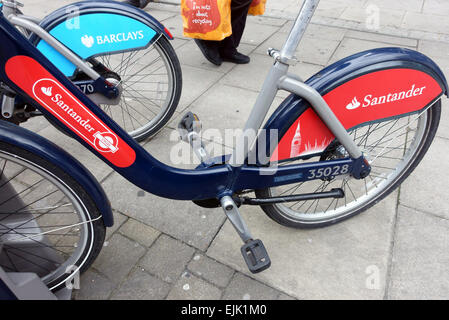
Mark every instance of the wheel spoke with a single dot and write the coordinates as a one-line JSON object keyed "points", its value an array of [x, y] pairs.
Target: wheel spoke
{"points": [[390, 146]]}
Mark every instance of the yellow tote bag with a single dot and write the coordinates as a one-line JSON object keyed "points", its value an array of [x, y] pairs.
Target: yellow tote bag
{"points": [[257, 7], [206, 19]]}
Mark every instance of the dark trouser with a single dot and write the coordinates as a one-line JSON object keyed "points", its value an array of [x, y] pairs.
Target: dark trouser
{"points": [[239, 11]]}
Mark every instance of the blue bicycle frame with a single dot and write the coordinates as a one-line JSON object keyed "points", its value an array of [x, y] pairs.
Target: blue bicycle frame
{"points": [[207, 181]]}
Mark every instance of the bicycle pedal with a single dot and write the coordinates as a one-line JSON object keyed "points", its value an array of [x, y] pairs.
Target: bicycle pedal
{"points": [[188, 124], [255, 256]]}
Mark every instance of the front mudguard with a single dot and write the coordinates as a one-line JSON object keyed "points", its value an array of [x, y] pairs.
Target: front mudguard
{"points": [[358, 89], [92, 28], [34, 143]]}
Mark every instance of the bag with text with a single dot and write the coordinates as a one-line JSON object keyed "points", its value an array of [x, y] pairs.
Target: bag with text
{"points": [[257, 7], [206, 19]]}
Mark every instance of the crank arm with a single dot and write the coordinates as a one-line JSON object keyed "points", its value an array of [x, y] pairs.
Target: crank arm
{"points": [[253, 251]]}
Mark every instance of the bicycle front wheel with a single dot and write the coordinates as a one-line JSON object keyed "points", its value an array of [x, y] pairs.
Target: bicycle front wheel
{"points": [[393, 147], [150, 81], [49, 225]]}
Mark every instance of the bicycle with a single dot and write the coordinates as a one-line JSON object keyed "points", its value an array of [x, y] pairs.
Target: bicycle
{"points": [[346, 138], [118, 55]]}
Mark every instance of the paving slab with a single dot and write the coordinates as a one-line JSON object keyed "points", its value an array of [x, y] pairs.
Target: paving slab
{"points": [[424, 188], [318, 31], [425, 22], [256, 33], [161, 15], [371, 36], [118, 257], [351, 46], [245, 288], [310, 50], [36, 124], [258, 68], [409, 5], [167, 258], [181, 219], [210, 270], [435, 49], [420, 260], [189, 287], [280, 5], [119, 220], [139, 232], [443, 129], [191, 55], [174, 25], [327, 263], [94, 286], [40, 9], [332, 9], [264, 20], [387, 17], [141, 286], [436, 7], [195, 82]]}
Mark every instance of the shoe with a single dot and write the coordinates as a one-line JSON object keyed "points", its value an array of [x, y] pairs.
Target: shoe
{"points": [[138, 3], [236, 57], [210, 53]]}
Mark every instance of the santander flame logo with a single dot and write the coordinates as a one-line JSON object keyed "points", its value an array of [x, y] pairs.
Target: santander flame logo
{"points": [[47, 91], [353, 105]]}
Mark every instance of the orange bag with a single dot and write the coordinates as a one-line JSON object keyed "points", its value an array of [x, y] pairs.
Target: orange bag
{"points": [[206, 19], [257, 7]]}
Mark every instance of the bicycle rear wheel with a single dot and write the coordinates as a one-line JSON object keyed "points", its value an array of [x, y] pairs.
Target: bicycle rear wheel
{"points": [[394, 148], [49, 225]]}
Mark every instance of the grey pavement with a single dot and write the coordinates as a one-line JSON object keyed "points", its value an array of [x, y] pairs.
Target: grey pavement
{"points": [[164, 249]]}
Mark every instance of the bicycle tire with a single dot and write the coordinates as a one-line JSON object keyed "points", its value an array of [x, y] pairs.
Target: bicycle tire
{"points": [[43, 242], [284, 215]]}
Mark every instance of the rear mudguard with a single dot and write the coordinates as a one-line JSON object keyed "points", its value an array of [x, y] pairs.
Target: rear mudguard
{"points": [[370, 86], [32, 142], [91, 28]]}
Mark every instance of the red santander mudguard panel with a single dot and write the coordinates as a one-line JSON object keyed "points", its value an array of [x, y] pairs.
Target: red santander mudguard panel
{"points": [[375, 96], [40, 85]]}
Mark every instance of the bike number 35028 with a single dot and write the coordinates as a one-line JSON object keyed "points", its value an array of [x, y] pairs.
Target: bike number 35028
{"points": [[328, 172]]}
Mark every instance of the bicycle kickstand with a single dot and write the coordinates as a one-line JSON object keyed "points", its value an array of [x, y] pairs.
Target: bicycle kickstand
{"points": [[253, 251]]}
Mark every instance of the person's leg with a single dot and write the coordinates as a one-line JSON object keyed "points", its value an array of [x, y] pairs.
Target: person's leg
{"points": [[138, 3], [239, 12], [210, 50], [226, 49]]}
